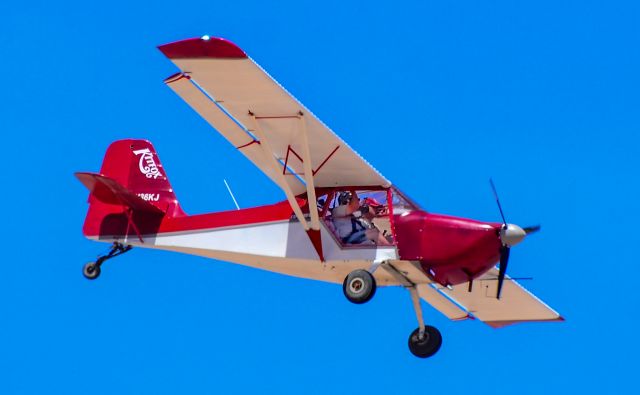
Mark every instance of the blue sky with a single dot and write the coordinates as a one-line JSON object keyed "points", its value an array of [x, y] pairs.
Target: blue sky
{"points": [[439, 97]]}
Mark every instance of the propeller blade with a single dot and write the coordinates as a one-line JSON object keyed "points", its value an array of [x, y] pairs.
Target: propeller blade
{"points": [[504, 261], [531, 229], [495, 193]]}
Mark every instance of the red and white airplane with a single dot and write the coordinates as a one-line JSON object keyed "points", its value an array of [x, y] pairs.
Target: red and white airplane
{"points": [[342, 221]]}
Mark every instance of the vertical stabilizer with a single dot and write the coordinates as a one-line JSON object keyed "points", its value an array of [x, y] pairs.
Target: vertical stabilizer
{"points": [[132, 193], [135, 165]]}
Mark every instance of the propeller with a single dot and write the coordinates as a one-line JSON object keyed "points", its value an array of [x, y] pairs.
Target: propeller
{"points": [[531, 229], [495, 194], [510, 235]]}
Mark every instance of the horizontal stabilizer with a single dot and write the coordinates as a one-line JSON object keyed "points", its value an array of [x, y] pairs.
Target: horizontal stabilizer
{"points": [[109, 191]]}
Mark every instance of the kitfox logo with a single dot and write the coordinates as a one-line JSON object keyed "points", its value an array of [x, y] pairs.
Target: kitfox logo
{"points": [[147, 165]]}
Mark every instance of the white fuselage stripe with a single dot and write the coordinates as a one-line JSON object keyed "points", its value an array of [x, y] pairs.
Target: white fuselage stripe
{"points": [[282, 247]]}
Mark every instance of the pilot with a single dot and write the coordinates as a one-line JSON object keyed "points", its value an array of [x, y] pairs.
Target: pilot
{"points": [[353, 222]]}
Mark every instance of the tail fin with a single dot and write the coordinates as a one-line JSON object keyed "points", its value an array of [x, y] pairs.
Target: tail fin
{"points": [[131, 194], [135, 165]]}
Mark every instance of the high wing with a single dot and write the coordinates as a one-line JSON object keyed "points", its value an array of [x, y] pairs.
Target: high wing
{"points": [[261, 119]]}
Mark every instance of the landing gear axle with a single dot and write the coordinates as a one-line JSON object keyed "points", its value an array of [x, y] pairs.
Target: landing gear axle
{"points": [[92, 269]]}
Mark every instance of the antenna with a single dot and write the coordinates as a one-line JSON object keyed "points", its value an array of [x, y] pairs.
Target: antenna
{"points": [[231, 193]]}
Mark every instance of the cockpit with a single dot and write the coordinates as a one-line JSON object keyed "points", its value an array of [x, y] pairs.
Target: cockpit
{"points": [[362, 217]]}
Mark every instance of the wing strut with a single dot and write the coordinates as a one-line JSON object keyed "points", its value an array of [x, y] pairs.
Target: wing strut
{"points": [[313, 228], [314, 232], [271, 159], [308, 174]]}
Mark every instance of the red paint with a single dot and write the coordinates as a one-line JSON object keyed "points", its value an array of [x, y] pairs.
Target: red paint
{"points": [[131, 177], [214, 47], [294, 152], [132, 224], [325, 161], [286, 162], [135, 165], [454, 249], [233, 218], [313, 172], [95, 224], [327, 203], [116, 208], [248, 144], [176, 77], [324, 190], [280, 117], [316, 240], [392, 224], [501, 324], [109, 191]]}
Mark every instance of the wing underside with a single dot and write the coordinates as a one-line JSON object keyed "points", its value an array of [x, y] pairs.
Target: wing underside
{"points": [[515, 305], [261, 119]]}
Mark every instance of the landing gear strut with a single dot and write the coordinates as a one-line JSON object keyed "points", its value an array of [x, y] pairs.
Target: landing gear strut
{"points": [[92, 269], [425, 340]]}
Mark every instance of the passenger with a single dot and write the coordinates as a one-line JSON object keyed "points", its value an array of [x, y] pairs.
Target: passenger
{"points": [[349, 230], [354, 223], [370, 210], [378, 208]]}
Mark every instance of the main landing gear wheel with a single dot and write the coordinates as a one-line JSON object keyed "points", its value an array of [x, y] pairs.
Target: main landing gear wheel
{"points": [[359, 286], [426, 340], [426, 346], [91, 271]]}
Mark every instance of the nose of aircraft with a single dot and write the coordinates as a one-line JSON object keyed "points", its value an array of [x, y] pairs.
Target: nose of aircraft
{"points": [[511, 234]]}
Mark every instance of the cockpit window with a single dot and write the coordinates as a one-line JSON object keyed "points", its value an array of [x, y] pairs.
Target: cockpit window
{"points": [[357, 217], [401, 204]]}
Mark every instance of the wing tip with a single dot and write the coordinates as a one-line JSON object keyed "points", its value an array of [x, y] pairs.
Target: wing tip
{"points": [[202, 47]]}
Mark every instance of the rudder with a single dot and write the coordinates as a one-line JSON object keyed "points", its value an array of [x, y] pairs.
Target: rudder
{"points": [[132, 195]]}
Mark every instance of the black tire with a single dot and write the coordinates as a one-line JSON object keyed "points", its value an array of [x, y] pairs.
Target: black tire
{"points": [[429, 345], [91, 271], [359, 286]]}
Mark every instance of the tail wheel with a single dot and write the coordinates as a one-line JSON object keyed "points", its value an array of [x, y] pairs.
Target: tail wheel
{"points": [[428, 345], [91, 270], [359, 286]]}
